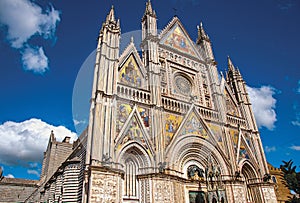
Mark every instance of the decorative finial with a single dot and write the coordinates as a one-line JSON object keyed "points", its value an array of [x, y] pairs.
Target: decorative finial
{"points": [[131, 39], [149, 9], [111, 15]]}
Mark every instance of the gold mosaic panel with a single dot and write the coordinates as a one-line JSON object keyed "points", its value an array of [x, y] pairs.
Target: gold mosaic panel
{"points": [[172, 123]]}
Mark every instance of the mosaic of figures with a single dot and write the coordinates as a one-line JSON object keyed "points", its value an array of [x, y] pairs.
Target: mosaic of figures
{"points": [[130, 73], [231, 108], [242, 150], [248, 140], [217, 132], [134, 132], [172, 123], [193, 126], [235, 138], [195, 173], [243, 154], [123, 113], [178, 40]]}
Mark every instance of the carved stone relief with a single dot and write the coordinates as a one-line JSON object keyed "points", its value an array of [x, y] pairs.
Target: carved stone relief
{"points": [[163, 191], [269, 195], [105, 188], [239, 194]]}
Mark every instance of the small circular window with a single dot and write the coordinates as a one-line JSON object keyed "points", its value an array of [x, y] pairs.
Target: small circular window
{"points": [[183, 85]]}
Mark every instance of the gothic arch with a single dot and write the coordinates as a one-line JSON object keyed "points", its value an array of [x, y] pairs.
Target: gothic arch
{"points": [[248, 170], [194, 148], [137, 153], [191, 162], [250, 174]]}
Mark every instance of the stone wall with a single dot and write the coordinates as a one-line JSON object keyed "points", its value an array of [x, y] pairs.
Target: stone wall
{"points": [[16, 190]]}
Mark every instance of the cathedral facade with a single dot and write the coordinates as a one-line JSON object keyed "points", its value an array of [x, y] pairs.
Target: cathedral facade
{"points": [[165, 127]]}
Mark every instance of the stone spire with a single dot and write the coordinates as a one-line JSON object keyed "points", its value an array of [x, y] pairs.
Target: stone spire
{"points": [[202, 34], [230, 65], [100, 131], [149, 10], [111, 15], [149, 26], [204, 43]]}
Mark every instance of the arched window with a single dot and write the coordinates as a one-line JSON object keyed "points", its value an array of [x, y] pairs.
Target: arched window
{"points": [[274, 179], [130, 189], [214, 200]]}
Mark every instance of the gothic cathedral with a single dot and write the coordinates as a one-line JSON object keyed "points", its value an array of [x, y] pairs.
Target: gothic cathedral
{"points": [[165, 127]]}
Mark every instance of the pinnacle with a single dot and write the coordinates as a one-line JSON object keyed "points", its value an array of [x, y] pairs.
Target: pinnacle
{"points": [[111, 15], [149, 10], [201, 33], [230, 65]]}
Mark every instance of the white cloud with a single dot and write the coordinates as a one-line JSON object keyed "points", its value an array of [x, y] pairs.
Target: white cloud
{"points": [[79, 122], [34, 59], [33, 165], [263, 104], [297, 148], [24, 142], [24, 19], [9, 176], [296, 109], [34, 172], [270, 149], [296, 123]]}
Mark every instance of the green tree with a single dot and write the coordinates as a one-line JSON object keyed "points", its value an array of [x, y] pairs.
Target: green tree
{"points": [[292, 178]]}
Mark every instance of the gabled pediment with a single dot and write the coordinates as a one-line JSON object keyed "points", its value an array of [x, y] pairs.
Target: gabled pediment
{"points": [[134, 130], [194, 125], [175, 37], [131, 69], [242, 150], [245, 151], [231, 103]]}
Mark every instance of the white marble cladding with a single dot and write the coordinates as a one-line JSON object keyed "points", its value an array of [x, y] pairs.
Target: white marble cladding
{"points": [[133, 94], [105, 187], [182, 60], [269, 194]]}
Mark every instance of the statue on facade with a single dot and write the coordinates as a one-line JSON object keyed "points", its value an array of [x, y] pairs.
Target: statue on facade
{"points": [[162, 167]]}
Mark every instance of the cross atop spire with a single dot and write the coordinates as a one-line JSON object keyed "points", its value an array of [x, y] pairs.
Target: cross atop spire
{"points": [[111, 15]]}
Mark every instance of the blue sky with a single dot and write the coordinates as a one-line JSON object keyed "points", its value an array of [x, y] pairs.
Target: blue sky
{"points": [[43, 44]]}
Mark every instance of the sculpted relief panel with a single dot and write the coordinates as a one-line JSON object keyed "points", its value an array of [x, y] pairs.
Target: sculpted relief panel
{"points": [[105, 188], [239, 194], [163, 191], [269, 195]]}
